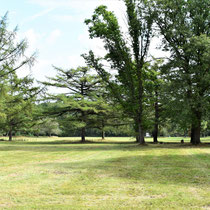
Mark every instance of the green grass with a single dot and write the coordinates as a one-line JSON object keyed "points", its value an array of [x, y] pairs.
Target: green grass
{"points": [[61, 173]]}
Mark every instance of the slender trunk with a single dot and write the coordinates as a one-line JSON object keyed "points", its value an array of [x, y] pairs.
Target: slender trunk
{"points": [[140, 111], [155, 131], [83, 128], [102, 130], [196, 129], [83, 134], [140, 125], [136, 130], [141, 135], [10, 134], [155, 134], [103, 134]]}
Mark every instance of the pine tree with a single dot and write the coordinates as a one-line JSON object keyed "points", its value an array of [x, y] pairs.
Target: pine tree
{"points": [[80, 102], [18, 104]]}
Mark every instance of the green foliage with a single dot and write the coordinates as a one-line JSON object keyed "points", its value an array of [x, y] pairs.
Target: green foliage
{"points": [[82, 101], [186, 36], [18, 103], [126, 57]]}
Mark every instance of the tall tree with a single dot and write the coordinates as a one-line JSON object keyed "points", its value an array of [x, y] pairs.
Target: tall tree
{"points": [[185, 28], [126, 56]]}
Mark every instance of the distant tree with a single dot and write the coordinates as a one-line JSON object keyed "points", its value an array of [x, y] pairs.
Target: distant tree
{"points": [[184, 26], [49, 127], [126, 56], [80, 102]]}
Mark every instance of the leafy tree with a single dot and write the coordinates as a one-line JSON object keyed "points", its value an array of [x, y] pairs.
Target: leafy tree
{"points": [[154, 97], [80, 102], [126, 57], [185, 28], [49, 126]]}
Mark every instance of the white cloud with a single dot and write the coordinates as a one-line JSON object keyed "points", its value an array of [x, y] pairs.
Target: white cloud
{"points": [[53, 36]]}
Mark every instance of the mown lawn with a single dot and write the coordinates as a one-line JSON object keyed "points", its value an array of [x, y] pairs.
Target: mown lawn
{"points": [[61, 173]]}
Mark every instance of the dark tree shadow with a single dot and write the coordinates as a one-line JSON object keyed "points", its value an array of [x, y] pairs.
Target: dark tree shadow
{"points": [[163, 169], [56, 146]]}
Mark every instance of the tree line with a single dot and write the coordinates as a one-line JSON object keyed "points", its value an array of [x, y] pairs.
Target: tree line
{"points": [[127, 90]]}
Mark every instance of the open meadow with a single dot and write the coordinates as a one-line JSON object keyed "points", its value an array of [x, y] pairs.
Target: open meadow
{"points": [[116, 173]]}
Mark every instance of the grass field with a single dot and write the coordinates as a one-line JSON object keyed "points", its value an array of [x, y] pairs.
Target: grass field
{"points": [[61, 173]]}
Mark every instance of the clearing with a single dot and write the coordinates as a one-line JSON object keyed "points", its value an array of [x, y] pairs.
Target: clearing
{"points": [[61, 173]]}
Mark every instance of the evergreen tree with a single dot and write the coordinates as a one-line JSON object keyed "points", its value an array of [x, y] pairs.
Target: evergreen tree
{"points": [[18, 104], [80, 102]]}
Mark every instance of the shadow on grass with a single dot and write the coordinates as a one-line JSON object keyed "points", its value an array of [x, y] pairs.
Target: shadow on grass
{"points": [[162, 169], [57, 146]]}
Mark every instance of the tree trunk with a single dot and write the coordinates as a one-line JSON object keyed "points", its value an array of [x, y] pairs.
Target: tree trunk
{"points": [[155, 132], [195, 135], [141, 134], [83, 128], [83, 134], [103, 134], [136, 130], [10, 134], [196, 129]]}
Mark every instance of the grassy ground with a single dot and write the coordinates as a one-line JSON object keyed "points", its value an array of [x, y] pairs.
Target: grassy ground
{"points": [[61, 173]]}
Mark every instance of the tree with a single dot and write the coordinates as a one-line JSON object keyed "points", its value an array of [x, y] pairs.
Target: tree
{"points": [[126, 57], [154, 94], [80, 102], [12, 53], [186, 36], [18, 103]]}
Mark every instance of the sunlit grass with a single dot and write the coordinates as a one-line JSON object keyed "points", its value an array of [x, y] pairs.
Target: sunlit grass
{"points": [[117, 173]]}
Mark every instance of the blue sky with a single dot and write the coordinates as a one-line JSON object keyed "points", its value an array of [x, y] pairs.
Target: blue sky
{"points": [[56, 30]]}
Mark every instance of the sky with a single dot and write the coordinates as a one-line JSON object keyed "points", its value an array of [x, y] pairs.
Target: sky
{"points": [[55, 29]]}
